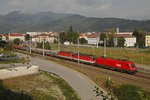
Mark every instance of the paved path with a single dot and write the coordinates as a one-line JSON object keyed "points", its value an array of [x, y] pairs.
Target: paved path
{"points": [[79, 82]]}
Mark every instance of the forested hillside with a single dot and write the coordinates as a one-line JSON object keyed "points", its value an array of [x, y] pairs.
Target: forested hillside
{"points": [[49, 21]]}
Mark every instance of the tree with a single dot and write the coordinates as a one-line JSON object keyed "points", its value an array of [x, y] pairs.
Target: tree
{"points": [[102, 36], [70, 36], [140, 37], [38, 45], [120, 42], [110, 41], [27, 37], [83, 41], [63, 37], [8, 46], [17, 41], [112, 30], [47, 45], [3, 44]]}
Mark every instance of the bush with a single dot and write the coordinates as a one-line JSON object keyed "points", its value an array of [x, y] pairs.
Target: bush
{"points": [[7, 94], [130, 92], [8, 47]]}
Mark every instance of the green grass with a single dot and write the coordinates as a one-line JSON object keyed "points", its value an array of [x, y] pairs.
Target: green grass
{"points": [[131, 92], [133, 54], [12, 54], [67, 90], [43, 86]]}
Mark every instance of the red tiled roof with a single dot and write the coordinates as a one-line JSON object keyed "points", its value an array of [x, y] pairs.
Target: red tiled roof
{"points": [[16, 34], [124, 35], [42, 35], [95, 35], [148, 33]]}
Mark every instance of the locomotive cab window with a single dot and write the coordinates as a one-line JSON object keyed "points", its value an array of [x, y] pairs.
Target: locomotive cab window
{"points": [[94, 58], [133, 65], [127, 65]]}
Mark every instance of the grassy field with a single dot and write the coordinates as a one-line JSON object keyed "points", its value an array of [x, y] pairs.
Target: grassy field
{"points": [[136, 55], [11, 53], [40, 87]]}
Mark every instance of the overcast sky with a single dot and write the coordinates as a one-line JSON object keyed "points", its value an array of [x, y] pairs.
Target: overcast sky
{"points": [[130, 9]]}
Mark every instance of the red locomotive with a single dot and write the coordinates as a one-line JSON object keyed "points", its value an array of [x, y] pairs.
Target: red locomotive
{"points": [[120, 65]]}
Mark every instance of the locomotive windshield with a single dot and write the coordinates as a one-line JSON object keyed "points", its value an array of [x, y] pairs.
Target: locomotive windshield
{"points": [[133, 65]]}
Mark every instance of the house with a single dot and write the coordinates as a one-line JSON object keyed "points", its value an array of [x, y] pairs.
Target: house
{"points": [[12, 36], [93, 38], [130, 40], [130, 33], [83, 35], [147, 40], [2, 37], [43, 37], [32, 34]]}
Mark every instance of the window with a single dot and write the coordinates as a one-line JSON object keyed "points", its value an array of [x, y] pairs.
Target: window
{"points": [[133, 65]]}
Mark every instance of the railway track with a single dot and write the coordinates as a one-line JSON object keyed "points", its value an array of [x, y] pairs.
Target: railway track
{"points": [[140, 79]]}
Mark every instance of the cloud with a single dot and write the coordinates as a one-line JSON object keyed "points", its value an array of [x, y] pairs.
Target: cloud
{"points": [[134, 9]]}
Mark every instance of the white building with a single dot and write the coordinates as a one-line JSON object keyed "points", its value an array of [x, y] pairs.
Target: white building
{"points": [[147, 40], [130, 40], [130, 33], [43, 37], [93, 38], [34, 33], [2, 37], [12, 36]]}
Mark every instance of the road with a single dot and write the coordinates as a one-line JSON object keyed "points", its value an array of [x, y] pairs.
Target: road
{"points": [[79, 82]]}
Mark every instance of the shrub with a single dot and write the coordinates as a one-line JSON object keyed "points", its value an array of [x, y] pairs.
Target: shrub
{"points": [[129, 92]]}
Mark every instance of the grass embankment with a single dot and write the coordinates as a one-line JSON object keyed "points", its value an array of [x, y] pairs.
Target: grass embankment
{"points": [[140, 56], [38, 87], [12, 54]]}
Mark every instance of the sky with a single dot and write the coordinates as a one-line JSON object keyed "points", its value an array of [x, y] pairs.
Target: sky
{"points": [[128, 9]]}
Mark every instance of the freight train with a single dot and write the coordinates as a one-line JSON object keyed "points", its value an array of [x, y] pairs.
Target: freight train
{"points": [[103, 62]]}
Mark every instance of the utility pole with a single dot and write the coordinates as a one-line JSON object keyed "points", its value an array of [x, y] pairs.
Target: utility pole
{"points": [[30, 45], [58, 42], [78, 52], [104, 47], [98, 38], [43, 47]]}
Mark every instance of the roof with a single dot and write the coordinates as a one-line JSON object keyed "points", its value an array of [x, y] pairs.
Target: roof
{"points": [[124, 35], [42, 35], [16, 34], [148, 33], [94, 35]]}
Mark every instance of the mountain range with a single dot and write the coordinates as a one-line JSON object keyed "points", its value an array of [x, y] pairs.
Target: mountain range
{"points": [[17, 21]]}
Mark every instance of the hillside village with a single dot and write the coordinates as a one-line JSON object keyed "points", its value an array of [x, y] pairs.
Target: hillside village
{"points": [[91, 38]]}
